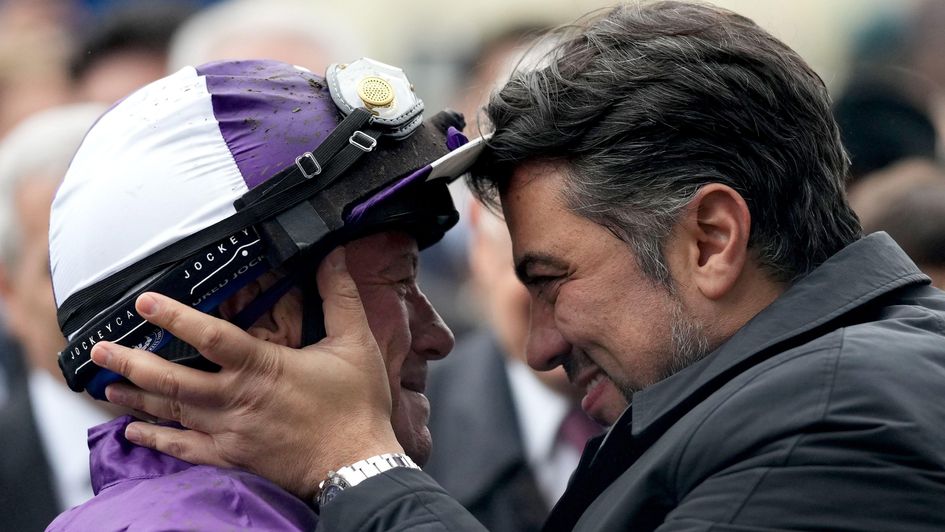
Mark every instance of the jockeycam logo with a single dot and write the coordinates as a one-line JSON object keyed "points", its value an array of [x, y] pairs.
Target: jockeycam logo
{"points": [[216, 269], [118, 324], [238, 243], [117, 328], [213, 272]]}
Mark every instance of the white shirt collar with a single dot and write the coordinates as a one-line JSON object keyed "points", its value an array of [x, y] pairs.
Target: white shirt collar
{"points": [[540, 411], [63, 419]]}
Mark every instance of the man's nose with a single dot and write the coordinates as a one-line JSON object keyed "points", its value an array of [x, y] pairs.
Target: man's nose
{"points": [[546, 347], [431, 336]]}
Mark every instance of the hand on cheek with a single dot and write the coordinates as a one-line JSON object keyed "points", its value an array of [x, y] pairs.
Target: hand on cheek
{"points": [[288, 415]]}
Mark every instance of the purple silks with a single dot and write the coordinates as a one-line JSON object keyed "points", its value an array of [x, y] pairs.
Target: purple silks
{"points": [[140, 489]]}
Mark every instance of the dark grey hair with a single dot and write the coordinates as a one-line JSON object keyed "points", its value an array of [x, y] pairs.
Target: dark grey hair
{"points": [[648, 103]]}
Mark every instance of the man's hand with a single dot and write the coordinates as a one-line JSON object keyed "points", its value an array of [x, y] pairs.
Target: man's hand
{"points": [[286, 414]]}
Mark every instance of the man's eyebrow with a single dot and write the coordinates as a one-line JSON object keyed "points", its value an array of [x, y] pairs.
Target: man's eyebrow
{"points": [[396, 265], [533, 259]]}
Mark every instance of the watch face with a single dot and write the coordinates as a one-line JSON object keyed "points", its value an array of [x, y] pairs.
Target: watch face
{"points": [[330, 492]]}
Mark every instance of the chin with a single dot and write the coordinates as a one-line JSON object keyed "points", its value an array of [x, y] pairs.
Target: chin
{"points": [[410, 425], [611, 414], [418, 445]]}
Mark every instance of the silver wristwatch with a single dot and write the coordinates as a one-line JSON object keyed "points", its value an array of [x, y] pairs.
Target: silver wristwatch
{"points": [[357, 473]]}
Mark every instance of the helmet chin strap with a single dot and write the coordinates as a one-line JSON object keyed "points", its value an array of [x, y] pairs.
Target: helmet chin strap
{"points": [[313, 317], [313, 324]]}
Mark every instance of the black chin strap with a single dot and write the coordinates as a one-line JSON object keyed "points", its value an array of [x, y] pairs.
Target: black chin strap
{"points": [[313, 317], [313, 324]]}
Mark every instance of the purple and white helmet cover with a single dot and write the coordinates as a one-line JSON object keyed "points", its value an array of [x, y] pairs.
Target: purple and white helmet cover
{"points": [[171, 158]]}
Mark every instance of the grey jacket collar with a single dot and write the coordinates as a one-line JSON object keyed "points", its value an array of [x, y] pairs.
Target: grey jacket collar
{"points": [[864, 270]]}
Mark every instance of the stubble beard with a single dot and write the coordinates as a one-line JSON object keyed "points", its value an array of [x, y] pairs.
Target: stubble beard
{"points": [[689, 343]]}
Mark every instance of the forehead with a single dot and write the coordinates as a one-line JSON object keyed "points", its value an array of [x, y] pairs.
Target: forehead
{"points": [[547, 236], [380, 252], [534, 207]]}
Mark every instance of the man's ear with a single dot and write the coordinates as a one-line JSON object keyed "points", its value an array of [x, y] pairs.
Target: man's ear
{"points": [[280, 324], [715, 230]]}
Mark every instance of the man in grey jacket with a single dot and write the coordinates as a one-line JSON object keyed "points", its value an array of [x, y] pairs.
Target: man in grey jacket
{"points": [[673, 184]]}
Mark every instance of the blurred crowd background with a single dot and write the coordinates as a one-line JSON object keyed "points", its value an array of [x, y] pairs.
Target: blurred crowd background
{"points": [[506, 438]]}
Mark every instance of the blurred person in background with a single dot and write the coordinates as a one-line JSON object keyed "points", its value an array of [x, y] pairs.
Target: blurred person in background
{"points": [[506, 438], [893, 105], [34, 43], [882, 125], [490, 66], [926, 40], [124, 50], [98, 8], [35, 40], [43, 455], [907, 200], [446, 279], [297, 32]]}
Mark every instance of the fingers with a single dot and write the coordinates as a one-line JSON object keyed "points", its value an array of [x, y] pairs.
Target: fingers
{"points": [[155, 374], [187, 445], [344, 313], [161, 407], [219, 341]]}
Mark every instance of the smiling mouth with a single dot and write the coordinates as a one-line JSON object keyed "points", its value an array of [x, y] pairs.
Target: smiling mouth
{"points": [[597, 379], [589, 379]]}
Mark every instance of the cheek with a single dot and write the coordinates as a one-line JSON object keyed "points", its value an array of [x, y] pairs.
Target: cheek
{"points": [[578, 312], [388, 321], [397, 405], [593, 313]]}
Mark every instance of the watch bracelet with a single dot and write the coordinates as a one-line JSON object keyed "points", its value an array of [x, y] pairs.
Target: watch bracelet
{"points": [[358, 472]]}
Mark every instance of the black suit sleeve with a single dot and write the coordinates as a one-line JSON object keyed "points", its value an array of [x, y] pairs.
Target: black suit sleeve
{"points": [[399, 499]]}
